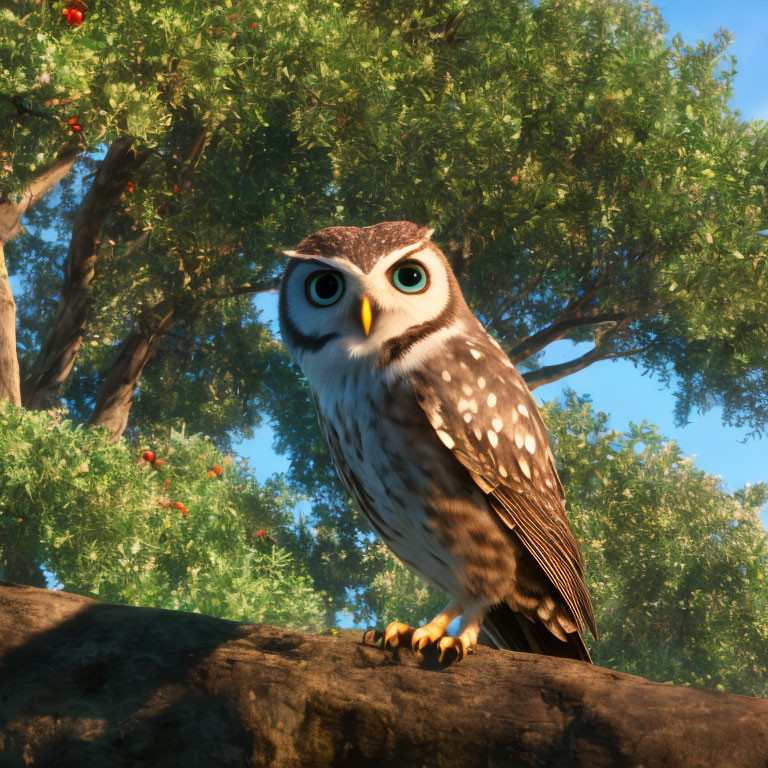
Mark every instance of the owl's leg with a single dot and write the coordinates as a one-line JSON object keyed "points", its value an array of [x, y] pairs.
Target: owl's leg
{"points": [[430, 633], [451, 649]]}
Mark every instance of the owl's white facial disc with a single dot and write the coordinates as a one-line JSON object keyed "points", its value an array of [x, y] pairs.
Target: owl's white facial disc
{"points": [[404, 315]]}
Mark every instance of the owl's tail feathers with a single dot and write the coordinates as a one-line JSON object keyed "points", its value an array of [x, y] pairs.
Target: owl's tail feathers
{"points": [[512, 631]]}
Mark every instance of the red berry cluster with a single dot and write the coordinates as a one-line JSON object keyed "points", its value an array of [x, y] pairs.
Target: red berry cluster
{"points": [[150, 458], [74, 125], [73, 13]]}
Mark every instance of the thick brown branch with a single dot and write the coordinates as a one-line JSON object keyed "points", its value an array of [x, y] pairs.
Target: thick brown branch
{"points": [[62, 344], [113, 403], [89, 684]]}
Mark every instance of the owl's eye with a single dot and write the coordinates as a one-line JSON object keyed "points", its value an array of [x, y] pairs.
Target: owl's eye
{"points": [[410, 278], [324, 288]]}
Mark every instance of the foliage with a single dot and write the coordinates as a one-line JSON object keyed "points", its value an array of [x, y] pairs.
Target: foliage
{"points": [[677, 568], [93, 513], [587, 176]]}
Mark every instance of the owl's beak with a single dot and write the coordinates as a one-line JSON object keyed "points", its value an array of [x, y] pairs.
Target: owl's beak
{"points": [[366, 315]]}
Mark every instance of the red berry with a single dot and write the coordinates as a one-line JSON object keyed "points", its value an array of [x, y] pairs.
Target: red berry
{"points": [[261, 532], [254, 25], [148, 456], [159, 463], [181, 508], [65, 12], [165, 504], [72, 121], [515, 179], [167, 483], [75, 17], [76, 128], [210, 473], [217, 469], [175, 189], [129, 186]]}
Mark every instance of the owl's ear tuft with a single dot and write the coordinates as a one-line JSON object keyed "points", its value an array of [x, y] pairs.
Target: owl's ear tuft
{"points": [[428, 234]]}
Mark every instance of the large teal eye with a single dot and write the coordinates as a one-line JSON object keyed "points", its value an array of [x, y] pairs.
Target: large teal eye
{"points": [[410, 278], [324, 288]]}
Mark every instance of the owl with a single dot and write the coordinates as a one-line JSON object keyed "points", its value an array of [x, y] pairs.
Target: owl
{"points": [[435, 434]]}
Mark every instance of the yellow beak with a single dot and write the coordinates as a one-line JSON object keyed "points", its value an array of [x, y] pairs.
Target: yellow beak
{"points": [[366, 315]]}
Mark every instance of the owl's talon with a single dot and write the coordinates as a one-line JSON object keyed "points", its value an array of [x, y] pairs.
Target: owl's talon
{"points": [[426, 636], [450, 650], [372, 637], [397, 635]]}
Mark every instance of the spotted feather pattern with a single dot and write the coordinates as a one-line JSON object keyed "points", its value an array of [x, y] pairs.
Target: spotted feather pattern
{"points": [[482, 410]]}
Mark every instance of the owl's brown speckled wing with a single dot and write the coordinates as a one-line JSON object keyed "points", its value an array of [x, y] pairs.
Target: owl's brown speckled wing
{"points": [[482, 410]]}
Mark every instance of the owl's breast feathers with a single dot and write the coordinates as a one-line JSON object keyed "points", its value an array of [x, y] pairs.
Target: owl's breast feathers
{"points": [[481, 409]]}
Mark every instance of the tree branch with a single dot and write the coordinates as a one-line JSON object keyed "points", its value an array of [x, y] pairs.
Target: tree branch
{"points": [[113, 402], [9, 359], [62, 344], [561, 328], [602, 351], [247, 289], [12, 213], [549, 373], [85, 683], [517, 296]]}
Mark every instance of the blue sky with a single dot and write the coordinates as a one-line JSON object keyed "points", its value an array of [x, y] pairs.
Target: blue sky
{"points": [[619, 388]]}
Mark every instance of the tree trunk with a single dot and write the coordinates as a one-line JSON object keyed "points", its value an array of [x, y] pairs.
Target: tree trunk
{"points": [[87, 684], [62, 344], [9, 360], [113, 402], [11, 214]]}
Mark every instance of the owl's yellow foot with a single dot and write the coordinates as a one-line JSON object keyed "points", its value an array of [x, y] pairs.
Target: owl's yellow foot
{"points": [[452, 649], [397, 635], [425, 637]]}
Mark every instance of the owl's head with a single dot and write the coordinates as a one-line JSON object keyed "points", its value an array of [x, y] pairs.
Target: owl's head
{"points": [[382, 292]]}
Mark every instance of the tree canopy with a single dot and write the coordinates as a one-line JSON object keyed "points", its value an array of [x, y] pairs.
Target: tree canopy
{"points": [[586, 175]]}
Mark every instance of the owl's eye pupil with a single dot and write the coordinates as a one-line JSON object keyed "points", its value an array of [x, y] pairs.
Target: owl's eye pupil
{"points": [[410, 278], [327, 286], [324, 288]]}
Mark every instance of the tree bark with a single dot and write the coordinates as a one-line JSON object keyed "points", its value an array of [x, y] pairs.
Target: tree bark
{"points": [[9, 360], [113, 403], [10, 223], [87, 684], [11, 213], [62, 344]]}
